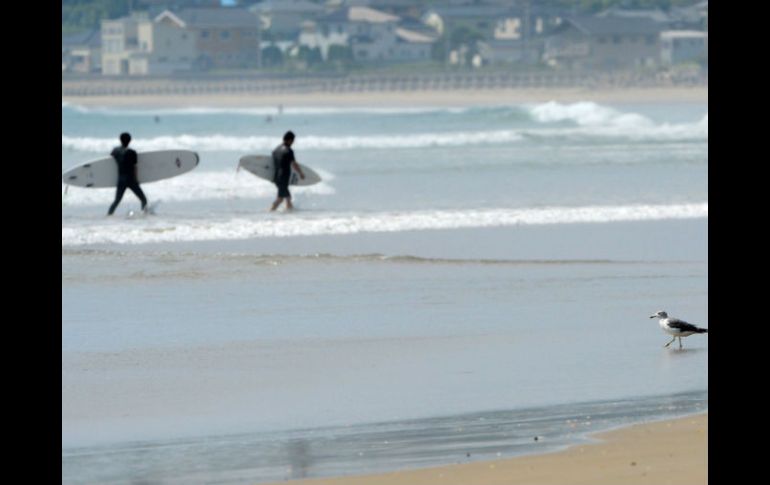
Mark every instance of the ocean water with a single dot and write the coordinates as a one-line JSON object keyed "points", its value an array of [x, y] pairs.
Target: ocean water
{"points": [[462, 280]]}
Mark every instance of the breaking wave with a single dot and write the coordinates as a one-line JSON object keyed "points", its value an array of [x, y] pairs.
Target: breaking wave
{"points": [[158, 229]]}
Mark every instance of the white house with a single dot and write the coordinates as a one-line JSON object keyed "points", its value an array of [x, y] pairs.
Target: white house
{"points": [[139, 46], [119, 41]]}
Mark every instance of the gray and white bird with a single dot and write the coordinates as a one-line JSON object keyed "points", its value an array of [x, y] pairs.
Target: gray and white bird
{"points": [[677, 328]]}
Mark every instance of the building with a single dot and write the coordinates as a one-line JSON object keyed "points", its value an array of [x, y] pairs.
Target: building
{"points": [[508, 51], [139, 46], [402, 8], [372, 35], [314, 37], [678, 46], [692, 17], [482, 19], [411, 46], [82, 52], [502, 33], [119, 41], [604, 43], [165, 46], [225, 38], [283, 19], [654, 14]]}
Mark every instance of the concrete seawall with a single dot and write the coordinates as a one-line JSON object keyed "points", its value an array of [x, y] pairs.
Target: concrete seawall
{"points": [[100, 86]]}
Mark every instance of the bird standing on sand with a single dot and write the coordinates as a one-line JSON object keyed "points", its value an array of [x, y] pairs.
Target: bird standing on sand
{"points": [[677, 328]]}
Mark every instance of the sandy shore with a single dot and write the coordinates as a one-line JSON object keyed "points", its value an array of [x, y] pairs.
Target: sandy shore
{"points": [[404, 98], [663, 452]]}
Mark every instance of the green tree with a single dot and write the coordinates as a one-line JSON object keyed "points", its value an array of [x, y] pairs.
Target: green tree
{"points": [[311, 56], [340, 54], [465, 36], [272, 56], [339, 58], [80, 15], [438, 51]]}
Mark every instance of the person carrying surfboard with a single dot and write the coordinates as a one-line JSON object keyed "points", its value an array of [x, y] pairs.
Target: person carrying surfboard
{"points": [[126, 159], [283, 162]]}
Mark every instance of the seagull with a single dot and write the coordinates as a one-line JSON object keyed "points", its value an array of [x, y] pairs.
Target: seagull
{"points": [[677, 328]]}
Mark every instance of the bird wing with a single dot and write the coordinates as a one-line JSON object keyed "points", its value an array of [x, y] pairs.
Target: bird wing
{"points": [[681, 325]]}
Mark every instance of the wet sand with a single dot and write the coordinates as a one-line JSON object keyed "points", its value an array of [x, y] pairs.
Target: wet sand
{"points": [[663, 452]]}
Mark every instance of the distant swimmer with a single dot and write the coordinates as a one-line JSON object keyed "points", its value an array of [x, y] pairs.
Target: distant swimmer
{"points": [[126, 159], [283, 162], [157, 119], [677, 328]]}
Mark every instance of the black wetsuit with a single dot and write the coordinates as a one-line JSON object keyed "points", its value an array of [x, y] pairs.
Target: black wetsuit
{"points": [[126, 160], [282, 158]]}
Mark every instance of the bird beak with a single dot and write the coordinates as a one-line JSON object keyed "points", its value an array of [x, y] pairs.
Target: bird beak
{"points": [[653, 316]]}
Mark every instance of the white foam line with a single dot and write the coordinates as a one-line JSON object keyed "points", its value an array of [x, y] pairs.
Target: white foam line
{"points": [[263, 143], [157, 230], [240, 144]]}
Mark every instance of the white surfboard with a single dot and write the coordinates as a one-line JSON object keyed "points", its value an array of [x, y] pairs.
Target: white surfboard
{"points": [[262, 167], [150, 167]]}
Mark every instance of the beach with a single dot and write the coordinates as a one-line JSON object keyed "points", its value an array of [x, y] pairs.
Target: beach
{"points": [[664, 452], [473, 341], [474, 270], [460, 97]]}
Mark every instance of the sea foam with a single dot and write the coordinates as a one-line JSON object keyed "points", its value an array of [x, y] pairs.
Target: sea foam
{"points": [[623, 127], [158, 229]]}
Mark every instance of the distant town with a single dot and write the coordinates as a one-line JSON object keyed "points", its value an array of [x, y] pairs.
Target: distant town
{"points": [[156, 39]]}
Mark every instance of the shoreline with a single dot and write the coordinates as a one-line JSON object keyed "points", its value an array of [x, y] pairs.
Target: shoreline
{"points": [[673, 451], [615, 241], [444, 98]]}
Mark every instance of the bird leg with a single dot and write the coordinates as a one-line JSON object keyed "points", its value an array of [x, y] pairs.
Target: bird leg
{"points": [[680, 342], [670, 342]]}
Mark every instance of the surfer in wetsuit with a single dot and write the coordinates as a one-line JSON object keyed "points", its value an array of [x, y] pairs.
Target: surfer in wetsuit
{"points": [[283, 161], [126, 159]]}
